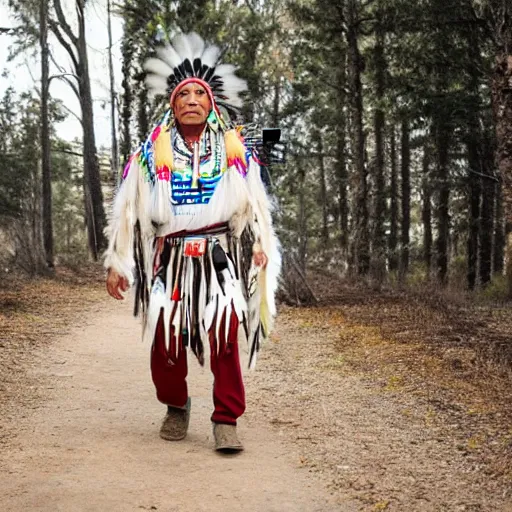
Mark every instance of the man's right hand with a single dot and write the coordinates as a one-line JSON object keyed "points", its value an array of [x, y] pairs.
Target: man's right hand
{"points": [[116, 283]]}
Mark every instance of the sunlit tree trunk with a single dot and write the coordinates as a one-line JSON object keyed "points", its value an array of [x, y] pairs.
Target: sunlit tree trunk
{"points": [[499, 232], [341, 161], [426, 209], [127, 98], [379, 210], [46, 175], [502, 107], [114, 151], [405, 166], [302, 218], [441, 139], [362, 237], [76, 46], [324, 234], [394, 203], [95, 212], [486, 214]]}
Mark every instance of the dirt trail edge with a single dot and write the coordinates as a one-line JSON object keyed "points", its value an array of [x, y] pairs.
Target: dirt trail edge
{"points": [[93, 444]]}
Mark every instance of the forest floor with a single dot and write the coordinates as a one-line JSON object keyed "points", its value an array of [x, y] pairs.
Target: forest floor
{"points": [[369, 401]]}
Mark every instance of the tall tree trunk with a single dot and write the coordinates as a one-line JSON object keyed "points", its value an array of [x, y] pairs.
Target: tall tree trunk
{"points": [[46, 176], [393, 207], [441, 138], [93, 195], [324, 235], [142, 111], [426, 210], [379, 238], [276, 102], [474, 148], [302, 218], [499, 231], [341, 162], [95, 212], [356, 95], [406, 198], [487, 214], [502, 108], [114, 152], [127, 98], [474, 142], [474, 216]]}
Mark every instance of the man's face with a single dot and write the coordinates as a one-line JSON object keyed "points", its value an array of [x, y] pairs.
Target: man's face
{"points": [[192, 105]]}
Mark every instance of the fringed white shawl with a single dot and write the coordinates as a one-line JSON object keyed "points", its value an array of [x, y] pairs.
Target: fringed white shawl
{"points": [[242, 201]]}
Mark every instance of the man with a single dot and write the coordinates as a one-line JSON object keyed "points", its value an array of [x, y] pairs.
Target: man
{"points": [[190, 204]]}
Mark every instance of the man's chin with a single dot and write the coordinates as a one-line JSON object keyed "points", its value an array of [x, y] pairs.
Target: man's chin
{"points": [[192, 121]]}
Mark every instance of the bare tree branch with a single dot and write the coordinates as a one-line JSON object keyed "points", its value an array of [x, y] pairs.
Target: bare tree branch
{"points": [[63, 22], [72, 113], [64, 43], [64, 77]]}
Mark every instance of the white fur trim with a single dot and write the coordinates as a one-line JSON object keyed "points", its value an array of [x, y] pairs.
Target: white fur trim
{"points": [[266, 237], [122, 218]]}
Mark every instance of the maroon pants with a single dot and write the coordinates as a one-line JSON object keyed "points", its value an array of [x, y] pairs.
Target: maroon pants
{"points": [[169, 374]]}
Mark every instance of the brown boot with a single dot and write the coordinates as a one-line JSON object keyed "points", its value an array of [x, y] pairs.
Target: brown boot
{"points": [[226, 440], [175, 424]]}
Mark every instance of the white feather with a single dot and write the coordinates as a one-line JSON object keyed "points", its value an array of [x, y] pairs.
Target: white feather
{"points": [[227, 321], [167, 321], [160, 208], [233, 86], [181, 44], [210, 56], [196, 44], [237, 296], [224, 70], [156, 85], [157, 302], [223, 304], [252, 362], [169, 55], [158, 67], [209, 313], [201, 309], [176, 324]]}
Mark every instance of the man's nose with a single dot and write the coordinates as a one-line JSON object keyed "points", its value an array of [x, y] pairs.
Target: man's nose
{"points": [[192, 99]]}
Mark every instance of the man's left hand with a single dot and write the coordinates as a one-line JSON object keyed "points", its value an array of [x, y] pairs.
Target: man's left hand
{"points": [[260, 259]]}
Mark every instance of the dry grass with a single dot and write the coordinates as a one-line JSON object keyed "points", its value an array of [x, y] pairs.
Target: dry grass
{"points": [[453, 355], [32, 312]]}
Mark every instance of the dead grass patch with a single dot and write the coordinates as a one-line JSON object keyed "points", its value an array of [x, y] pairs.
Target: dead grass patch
{"points": [[32, 312], [455, 357]]}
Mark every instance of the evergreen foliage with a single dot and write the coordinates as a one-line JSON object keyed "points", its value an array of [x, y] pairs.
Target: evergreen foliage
{"points": [[396, 116]]}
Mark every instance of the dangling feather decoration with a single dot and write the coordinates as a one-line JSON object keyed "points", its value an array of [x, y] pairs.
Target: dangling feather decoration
{"points": [[163, 150], [235, 151]]}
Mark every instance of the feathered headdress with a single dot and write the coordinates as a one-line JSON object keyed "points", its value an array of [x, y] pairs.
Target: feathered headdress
{"points": [[186, 57]]}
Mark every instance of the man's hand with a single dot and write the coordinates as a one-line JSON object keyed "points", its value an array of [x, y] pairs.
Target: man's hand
{"points": [[115, 284], [260, 259]]}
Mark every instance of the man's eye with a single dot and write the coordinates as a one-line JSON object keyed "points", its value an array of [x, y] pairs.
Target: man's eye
{"points": [[200, 92]]}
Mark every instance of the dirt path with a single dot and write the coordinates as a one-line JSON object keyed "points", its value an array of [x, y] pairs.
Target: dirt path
{"points": [[93, 445], [321, 434]]}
